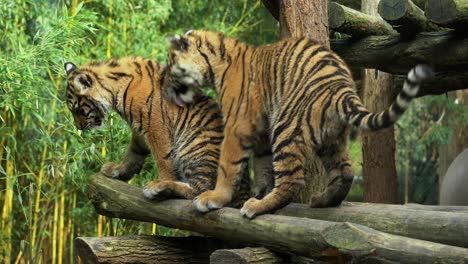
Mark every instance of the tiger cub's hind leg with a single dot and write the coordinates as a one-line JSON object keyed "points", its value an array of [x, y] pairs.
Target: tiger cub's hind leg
{"points": [[340, 178], [288, 170]]}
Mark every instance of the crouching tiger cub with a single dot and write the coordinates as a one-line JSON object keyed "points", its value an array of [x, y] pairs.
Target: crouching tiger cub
{"points": [[185, 142], [297, 91]]}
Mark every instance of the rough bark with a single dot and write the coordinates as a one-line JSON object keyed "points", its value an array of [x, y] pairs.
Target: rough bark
{"points": [[246, 255], [356, 24], [145, 249], [449, 226], [304, 18], [444, 51], [448, 13], [307, 237], [378, 148], [406, 17]]}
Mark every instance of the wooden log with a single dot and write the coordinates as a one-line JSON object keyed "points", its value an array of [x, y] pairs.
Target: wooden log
{"points": [[259, 255], [302, 236], [443, 227], [442, 83], [354, 23], [406, 17], [442, 50], [145, 249], [448, 13]]}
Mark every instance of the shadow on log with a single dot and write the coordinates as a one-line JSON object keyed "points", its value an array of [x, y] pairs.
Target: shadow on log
{"points": [[245, 256], [146, 249], [307, 237]]}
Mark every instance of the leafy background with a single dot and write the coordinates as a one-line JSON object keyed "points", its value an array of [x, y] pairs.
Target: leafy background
{"points": [[45, 162]]}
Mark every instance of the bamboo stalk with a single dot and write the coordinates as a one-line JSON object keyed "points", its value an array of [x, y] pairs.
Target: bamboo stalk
{"points": [[109, 35], [99, 226], [54, 231], [62, 224], [7, 216], [72, 228]]}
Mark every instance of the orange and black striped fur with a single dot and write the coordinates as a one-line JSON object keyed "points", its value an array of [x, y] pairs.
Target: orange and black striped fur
{"points": [[297, 91], [185, 142]]}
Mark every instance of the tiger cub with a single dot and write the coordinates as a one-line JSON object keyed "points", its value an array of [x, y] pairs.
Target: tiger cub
{"points": [[297, 91], [185, 142]]}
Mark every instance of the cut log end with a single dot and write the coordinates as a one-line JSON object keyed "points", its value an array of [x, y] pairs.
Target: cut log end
{"points": [[336, 15], [441, 11], [393, 9]]}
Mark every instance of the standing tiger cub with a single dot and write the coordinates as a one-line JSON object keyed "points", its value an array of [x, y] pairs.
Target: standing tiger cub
{"points": [[297, 91], [185, 142]]}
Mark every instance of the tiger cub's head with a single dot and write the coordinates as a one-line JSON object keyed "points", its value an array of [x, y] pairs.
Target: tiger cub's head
{"points": [[87, 108], [188, 68]]}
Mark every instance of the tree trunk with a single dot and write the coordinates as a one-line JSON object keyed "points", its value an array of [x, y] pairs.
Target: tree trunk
{"points": [[305, 18], [145, 249], [307, 237], [378, 148]]}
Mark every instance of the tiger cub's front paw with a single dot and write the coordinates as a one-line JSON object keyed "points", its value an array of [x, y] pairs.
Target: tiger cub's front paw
{"points": [[210, 200], [112, 170], [157, 189], [252, 208]]}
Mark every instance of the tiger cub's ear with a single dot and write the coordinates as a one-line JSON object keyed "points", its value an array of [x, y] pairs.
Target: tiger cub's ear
{"points": [[178, 43], [69, 67]]}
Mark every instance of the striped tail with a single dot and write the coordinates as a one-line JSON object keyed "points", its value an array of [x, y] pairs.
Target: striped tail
{"points": [[359, 116]]}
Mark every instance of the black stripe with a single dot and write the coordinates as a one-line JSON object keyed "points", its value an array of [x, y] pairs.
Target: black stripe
{"points": [[113, 63], [240, 161], [284, 173], [131, 111], [283, 155], [222, 47], [138, 68]]}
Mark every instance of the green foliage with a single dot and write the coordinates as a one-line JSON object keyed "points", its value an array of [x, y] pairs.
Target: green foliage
{"points": [[428, 123], [43, 156]]}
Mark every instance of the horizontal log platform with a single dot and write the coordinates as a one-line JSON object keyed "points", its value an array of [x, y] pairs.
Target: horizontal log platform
{"points": [[146, 249], [307, 237], [356, 24], [442, 50], [448, 13], [406, 17], [443, 227]]}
